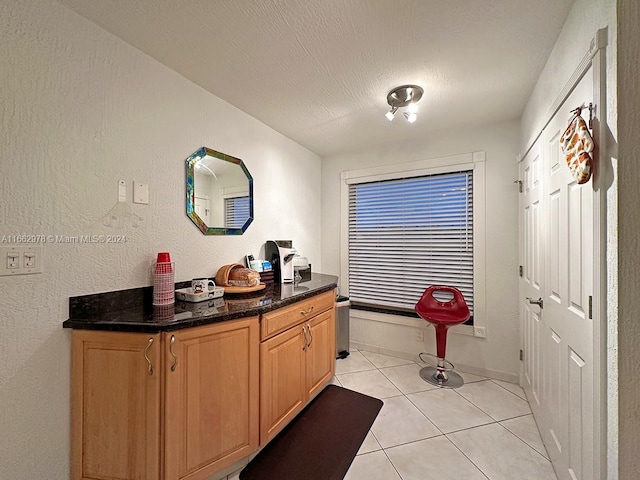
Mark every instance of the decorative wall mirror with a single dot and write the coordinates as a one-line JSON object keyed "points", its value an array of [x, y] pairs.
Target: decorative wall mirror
{"points": [[219, 193]]}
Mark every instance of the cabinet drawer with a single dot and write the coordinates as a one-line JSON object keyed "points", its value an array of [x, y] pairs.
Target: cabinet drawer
{"points": [[279, 320]]}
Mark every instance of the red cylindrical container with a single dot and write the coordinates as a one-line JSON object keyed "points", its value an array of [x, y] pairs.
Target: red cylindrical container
{"points": [[163, 280]]}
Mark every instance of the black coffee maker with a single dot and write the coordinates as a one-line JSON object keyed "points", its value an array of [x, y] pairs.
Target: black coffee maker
{"points": [[280, 253]]}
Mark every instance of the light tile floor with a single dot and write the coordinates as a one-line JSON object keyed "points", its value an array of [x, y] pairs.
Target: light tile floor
{"points": [[482, 430]]}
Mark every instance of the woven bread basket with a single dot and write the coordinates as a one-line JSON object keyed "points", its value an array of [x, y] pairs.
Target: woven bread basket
{"points": [[248, 278], [222, 276]]}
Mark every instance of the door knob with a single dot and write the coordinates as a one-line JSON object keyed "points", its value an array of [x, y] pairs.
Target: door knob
{"points": [[538, 302]]}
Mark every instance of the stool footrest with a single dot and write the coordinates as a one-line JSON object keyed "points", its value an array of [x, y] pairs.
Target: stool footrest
{"points": [[446, 366], [440, 378]]}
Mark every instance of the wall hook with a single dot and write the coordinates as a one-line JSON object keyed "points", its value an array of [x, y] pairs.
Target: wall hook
{"points": [[578, 110]]}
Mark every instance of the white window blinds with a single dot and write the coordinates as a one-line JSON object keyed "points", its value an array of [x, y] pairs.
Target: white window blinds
{"points": [[407, 234], [236, 212]]}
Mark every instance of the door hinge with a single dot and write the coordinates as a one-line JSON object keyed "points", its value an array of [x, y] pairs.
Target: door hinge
{"points": [[521, 355], [520, 270], [519, 182], [590, 307]]}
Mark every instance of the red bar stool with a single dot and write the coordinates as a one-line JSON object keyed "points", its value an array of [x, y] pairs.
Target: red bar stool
{"points": [[442, 315]]}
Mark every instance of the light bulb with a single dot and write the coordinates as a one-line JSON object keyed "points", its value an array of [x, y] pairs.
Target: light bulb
{"points": [[391, 113], [412, 108], [411, 117]]}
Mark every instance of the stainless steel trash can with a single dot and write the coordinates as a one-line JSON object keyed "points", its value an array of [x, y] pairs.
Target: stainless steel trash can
{"points": [[342, 326]]}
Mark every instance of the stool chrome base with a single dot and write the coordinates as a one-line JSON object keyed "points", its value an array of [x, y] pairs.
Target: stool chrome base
{"points": [[442, 375], [441, 378]]}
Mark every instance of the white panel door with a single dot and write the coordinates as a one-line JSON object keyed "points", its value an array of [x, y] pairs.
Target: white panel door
{"points": [[532, 277], [203, 209], [557, 255], [568, 391]]}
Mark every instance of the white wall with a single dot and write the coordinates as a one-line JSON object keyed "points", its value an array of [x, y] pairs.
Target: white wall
{"points": [[498, 354], [81, 109], [627, 349], [585, 18]]}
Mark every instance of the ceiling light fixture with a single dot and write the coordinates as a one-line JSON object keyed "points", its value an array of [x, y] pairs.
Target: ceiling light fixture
{"points": [[404, 96]]}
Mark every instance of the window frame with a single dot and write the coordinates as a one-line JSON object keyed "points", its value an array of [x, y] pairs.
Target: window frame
{"points": [[469, 161]]}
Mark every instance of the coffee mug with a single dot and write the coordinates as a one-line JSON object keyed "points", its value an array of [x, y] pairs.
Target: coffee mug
{"points": [[199, 285]]}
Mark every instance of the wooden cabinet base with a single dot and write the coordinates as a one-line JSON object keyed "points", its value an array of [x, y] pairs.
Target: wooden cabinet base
{"points": [[183, 405], [295, 365], [115, 427], [212, 396]]}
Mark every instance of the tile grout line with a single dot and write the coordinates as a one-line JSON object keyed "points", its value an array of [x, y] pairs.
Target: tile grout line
{"points": [[525, 442], [512, 393], [487, 413], [467, 457], [548, 460]]}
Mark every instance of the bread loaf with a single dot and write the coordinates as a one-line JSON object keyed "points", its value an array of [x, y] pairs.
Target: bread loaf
{"points": [[243, 277], [237, 275]]}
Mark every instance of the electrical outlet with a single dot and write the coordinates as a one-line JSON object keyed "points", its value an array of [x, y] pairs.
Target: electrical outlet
{"points": [[32, 259], [480, 332], [29, 260], [420, 336], [21, 260], [13, 260]]}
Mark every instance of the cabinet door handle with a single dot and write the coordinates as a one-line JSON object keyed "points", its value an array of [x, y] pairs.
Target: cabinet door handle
{"points": [[175, 359], [306, 340], [146, 356], [307, 311], [310, 336]]}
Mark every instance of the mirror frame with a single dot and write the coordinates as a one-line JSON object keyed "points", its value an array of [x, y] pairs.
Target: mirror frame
{"points": [[190, 175]]}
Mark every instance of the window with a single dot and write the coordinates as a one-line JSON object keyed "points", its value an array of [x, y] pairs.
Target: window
{"points": [[406, 234], [381, 269], [236, 212]]}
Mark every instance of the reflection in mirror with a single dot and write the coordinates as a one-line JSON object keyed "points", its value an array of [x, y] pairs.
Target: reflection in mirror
{"points": [[219, 193]]}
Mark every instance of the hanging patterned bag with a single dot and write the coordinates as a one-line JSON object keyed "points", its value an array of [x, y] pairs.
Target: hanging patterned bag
{"points": [[577, 145]]}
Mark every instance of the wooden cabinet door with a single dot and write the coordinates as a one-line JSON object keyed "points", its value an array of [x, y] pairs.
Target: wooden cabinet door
{"points": [[115, 404], [211, 410], [282, 380], [320, 355]]}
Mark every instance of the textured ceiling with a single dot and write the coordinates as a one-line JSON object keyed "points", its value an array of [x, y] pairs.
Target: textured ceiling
{"points": [[319, 71]]}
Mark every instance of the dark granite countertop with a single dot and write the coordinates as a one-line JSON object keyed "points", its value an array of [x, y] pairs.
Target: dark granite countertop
{"points": [[132, 310]]}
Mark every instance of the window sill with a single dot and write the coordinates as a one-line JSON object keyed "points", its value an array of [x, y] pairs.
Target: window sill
{"points": [[399, 312], [415, 322]]}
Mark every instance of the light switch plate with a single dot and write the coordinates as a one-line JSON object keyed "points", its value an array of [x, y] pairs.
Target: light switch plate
{"points": [[141, 193]]}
